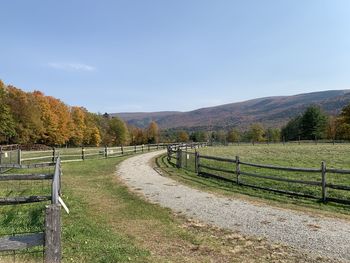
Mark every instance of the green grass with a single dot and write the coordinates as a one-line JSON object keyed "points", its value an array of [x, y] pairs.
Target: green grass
{"points": [[305, 155], [87, 236]]}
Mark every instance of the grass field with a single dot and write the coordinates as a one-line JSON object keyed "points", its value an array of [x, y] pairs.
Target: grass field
{"points": [[291, 155], [108, 223]]}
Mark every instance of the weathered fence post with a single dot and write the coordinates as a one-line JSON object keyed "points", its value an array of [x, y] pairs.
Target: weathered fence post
{"points": [[53, 154], [106, 152], [19, 156], [149, 147], [196, 162], [179, 158], [324, 192], [168, 153], [135, 149], [52, 234], [157, 146], [142, 147], [238, 169], [83, 153], [122, 149]]}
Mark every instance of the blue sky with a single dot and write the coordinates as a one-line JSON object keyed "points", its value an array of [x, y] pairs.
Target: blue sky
{"points": [[138, 55]]}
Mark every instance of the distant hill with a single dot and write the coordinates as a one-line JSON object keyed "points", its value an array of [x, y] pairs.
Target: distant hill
{"points": [[270, 111]]}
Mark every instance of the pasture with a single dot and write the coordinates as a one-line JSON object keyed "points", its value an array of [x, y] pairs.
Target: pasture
{"points": [[309, 156]]}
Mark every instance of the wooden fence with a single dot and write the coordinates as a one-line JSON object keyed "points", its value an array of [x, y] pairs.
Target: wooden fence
{"points": [[50, 238], [84, 153], [238, 170]]}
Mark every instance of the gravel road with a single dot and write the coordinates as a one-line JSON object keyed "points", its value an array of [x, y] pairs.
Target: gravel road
{"points": [[318, 235]]}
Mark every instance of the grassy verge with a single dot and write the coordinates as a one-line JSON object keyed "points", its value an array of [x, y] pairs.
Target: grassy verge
{"points": [[305, 155]]}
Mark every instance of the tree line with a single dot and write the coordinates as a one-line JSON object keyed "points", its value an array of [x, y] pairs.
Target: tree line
{"points": [[312, 124], [33, 118]]}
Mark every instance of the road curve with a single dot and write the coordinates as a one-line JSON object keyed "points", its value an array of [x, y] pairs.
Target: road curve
{"points": [[318, 235]]}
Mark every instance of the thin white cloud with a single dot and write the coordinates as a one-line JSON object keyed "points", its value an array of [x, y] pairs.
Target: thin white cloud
{"points": [[71, 66]]}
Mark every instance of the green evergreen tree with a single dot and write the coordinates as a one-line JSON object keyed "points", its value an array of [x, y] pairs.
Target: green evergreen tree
{"points": [[292, 130], [313, 123]]}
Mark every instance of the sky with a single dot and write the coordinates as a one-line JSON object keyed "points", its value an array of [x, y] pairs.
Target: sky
{"points": [[157, 55]]}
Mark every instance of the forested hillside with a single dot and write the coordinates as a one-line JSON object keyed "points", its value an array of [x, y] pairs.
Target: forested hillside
{"points": [[270, 111], [33, 118]]}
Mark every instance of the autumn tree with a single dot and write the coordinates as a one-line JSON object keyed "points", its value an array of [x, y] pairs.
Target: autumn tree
{"points": [[92, 136], [233, 135], [7, 127], [344, 123], [332, 128], [78, 125], [27, 115], [182, 136], [256, 132], [137, 135], [153, 133], [118, 131]]}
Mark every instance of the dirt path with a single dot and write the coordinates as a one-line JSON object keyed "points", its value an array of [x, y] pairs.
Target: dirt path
{"points": [[320, 236]]}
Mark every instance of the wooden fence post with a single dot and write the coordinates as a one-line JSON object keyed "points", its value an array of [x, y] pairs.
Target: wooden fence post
{"points": [[106, 151], [142, 147], [196, 162], [157, 146], [324, 192], [168, 153], [83, 153], [149, 147], [53, 154], [19, 156], [52, 234], [122, 149], [135, 149], [238, 169], [179, 158]]}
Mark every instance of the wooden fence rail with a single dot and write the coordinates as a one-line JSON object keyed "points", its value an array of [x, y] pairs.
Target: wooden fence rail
{"points": [[83, 153], [51, 237], [177, 153]]}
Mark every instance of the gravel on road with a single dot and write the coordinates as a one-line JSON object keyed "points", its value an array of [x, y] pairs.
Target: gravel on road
{"points": [[318, 235]]}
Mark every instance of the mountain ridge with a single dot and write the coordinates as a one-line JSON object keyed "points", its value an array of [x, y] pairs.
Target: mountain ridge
{"points": [[272, 111]]}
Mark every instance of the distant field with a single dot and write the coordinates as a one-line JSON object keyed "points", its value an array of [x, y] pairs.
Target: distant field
{"points": [[290, 155], [304, 155]]}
